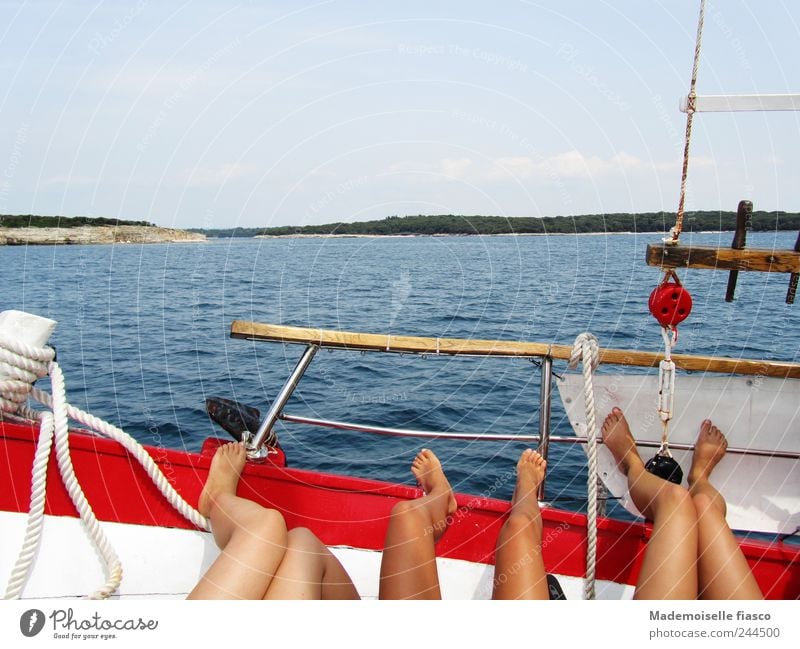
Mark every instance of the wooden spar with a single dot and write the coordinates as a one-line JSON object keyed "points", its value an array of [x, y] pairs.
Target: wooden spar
{"points": [[734, 103], [753, 259], [459, 346]]}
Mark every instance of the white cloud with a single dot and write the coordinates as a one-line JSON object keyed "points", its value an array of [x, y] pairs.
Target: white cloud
{"points": [[574, 164], [700, 161], [456, 168], [217, 175], [628, 161], [70, 181], [568, 164], [517, 166]]}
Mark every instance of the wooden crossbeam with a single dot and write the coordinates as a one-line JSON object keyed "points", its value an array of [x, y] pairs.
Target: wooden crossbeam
{"points": [[733, 103], [708, 257]]}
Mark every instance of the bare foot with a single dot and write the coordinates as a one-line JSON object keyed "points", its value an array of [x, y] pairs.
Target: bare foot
{"points": [[223, 476], [429, 474], [708, 451], [530, 473], [619, 440]]}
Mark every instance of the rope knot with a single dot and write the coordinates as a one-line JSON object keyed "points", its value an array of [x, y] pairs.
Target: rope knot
{"points": [[21, 365], [586, 349]]}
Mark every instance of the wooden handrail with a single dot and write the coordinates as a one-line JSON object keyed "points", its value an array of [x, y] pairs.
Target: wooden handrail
{"points": [[456, 346]]}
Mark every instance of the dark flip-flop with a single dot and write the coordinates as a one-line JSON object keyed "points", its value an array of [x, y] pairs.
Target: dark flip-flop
{"points": [[554, 587], [233, 416]]}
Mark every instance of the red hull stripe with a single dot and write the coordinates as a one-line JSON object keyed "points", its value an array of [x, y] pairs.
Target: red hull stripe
{"points": [[341, 510]]}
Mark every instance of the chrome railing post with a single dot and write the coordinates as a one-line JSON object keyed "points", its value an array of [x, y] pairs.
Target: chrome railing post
{"points": [[544, 414], [255, 445]]}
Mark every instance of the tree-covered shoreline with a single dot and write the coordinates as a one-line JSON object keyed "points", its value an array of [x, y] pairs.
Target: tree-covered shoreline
{"points": [[453, 224], [34, 221], [459, 225]]}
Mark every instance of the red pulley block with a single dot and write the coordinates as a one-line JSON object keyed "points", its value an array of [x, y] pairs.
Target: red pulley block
{"points": [[670, 303]]}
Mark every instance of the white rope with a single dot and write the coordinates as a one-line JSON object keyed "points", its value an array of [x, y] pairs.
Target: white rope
{"points": [[24, 364], [138, 451], [666, 383], [33, 530], [21, 365], [90, 523], [587, 351], [666, 375]]}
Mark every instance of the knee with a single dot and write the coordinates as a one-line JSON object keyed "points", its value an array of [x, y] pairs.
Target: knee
{"points": [[409, 517], [704, 503], [302, 537], [269, 526], [677, 499], [301, 534], [519, 523], [406, 509]]}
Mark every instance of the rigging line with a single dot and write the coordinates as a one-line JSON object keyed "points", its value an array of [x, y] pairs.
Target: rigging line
{"points": [[675, 232]]}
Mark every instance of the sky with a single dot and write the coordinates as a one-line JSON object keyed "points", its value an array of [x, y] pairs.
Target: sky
{"points": [[215, 114]]}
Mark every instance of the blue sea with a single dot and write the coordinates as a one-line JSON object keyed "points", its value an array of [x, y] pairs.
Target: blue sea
{"points": [[143, 336]]}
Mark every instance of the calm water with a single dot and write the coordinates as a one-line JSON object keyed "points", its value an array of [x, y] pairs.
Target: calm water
{"points": [[143, 335]]}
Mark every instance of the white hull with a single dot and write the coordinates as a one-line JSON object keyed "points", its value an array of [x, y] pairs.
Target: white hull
{"points": [[754, 412], [166, 563]]}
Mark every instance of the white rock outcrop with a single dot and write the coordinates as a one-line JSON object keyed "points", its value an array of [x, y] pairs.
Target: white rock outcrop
{"points": [[96, 234]]}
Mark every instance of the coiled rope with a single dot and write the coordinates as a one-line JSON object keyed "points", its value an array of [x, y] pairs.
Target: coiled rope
{"points": [[586, 350], [22, 365]]}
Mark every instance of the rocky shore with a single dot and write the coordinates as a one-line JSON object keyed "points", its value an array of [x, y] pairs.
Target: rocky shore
{"points": [[95, 234]]}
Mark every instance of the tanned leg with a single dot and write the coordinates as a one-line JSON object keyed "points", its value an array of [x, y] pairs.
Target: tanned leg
{"points": [[252, 538], [669, 569], [519, 569], [408, 567], [310, 571], [722, 569]]}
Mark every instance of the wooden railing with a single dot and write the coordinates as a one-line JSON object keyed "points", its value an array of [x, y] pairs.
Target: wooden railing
{"points": [[459, 346]]}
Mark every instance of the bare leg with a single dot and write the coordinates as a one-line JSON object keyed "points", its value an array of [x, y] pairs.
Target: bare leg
{"points": [[310, 571], [519, 569], [669, 569], [252, 538], [408, 567], [722, 569]]}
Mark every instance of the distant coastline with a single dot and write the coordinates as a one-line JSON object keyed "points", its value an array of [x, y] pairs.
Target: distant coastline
{"points": [[55, 230], [413, 236], [458, 225]]}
